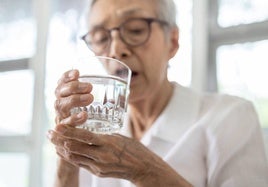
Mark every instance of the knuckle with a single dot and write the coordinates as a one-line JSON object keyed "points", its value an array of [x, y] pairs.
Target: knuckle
{"points": [[57, 104], [62, 107], [57, 119], [53, 139], [68, 145], [56, 92], [73, 85], [99, 173], [73, 99], [69, 155]]}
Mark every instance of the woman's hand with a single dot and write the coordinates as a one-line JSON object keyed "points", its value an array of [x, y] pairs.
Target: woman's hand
{"points": [[114, 156], [70, 93], [103, 155]]}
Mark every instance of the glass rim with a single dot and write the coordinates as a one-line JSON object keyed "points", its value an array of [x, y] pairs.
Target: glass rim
{"points": [[112, 59]]}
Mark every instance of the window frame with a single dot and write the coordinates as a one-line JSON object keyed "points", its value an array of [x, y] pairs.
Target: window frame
{"points": [[32, 143], [208, 36]]}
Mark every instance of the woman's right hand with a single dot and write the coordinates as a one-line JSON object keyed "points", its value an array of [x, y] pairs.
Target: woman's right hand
{"points": [[70, 93]]}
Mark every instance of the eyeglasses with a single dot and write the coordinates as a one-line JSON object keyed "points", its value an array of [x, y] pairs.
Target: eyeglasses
{"points": [[133, 32]]}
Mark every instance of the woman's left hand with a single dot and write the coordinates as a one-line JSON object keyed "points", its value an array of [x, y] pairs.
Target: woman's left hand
{"points": [[103, 155], [114, 156]]}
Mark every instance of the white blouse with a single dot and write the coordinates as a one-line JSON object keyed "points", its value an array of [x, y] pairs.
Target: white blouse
{"points": [[211, 140]]}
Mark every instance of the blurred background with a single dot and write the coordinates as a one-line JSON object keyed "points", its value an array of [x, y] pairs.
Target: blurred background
{"points": [[223, 48]]}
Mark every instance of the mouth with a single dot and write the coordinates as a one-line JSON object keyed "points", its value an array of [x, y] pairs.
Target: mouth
{"points": [[124, 72], [134, 74]]}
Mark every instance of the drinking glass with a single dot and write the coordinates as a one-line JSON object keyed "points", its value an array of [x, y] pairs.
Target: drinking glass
{"points": [[110, 79]]}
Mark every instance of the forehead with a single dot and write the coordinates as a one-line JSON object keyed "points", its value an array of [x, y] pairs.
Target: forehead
{"points": [[109, 12]]}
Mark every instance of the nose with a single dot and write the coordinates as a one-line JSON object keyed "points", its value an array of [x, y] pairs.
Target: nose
{"points": [[118, 49]]}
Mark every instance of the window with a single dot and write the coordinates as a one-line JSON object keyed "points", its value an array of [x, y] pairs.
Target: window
{"points": [[242, 71], [234, 45], [9, 177], [238, 39], [16, 96], [241, 12], [21, 97], [17, 28]]}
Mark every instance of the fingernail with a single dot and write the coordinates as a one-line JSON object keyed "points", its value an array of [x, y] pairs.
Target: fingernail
{"points": [[72, 74], [61, 129]]}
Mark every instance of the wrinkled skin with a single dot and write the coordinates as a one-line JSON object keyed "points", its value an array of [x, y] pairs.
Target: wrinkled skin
{"points": [[115, 155]]}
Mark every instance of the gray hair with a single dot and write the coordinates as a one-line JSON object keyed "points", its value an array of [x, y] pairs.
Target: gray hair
{"points": [[166, 11]]}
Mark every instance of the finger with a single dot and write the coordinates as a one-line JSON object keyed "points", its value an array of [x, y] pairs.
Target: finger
{"points": [[82, 149], [79, 135], [61, 151], [64, 105], [58, 119], [110, 151], [55, 138], [74, 120], [74, 87], [68, 76], [65, 155], [97, 153], [99, 169], [59, 141], [86, 163]]}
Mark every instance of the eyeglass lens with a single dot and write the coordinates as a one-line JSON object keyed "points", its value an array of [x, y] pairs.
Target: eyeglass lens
{"points": [[133, 32]]}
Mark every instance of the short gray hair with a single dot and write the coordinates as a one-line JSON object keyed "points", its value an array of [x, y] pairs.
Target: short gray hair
{"points": [[166, 11]]}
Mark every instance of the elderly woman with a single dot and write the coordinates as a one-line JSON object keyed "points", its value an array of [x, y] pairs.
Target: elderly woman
{"points": [[173, 135]]}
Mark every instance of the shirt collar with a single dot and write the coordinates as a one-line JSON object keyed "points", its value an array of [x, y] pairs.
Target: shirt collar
{"points": [[180, 113]]}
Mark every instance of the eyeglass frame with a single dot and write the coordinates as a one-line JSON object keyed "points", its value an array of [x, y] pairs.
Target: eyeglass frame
{"points": [[149, 21]]}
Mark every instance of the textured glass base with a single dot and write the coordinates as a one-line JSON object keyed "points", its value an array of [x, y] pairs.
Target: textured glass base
{"points": [[100, 126]]}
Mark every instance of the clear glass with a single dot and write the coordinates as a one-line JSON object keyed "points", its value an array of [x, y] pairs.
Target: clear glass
{"points": [[235, 12], [16, 102], [245, 74], [110, 79], [14, 170], [17, 28]]}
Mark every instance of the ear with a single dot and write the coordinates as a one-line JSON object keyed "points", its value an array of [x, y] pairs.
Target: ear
{"points": [[174, 41]]}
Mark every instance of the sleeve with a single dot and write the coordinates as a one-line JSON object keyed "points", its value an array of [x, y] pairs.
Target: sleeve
{"points": [[236, 154]]}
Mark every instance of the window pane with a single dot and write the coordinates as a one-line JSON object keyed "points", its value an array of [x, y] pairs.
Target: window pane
{"points": [[245, 74], [17, 29], [241, 12], [14, 170], [180, 64], [16, 102]]}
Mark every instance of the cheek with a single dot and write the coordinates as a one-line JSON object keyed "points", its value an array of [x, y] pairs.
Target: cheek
{"points": [[153, 60]]}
